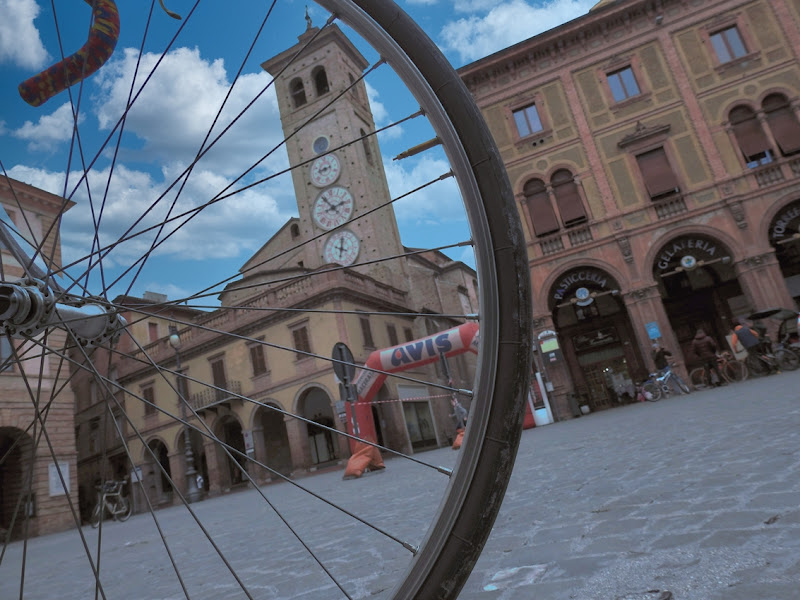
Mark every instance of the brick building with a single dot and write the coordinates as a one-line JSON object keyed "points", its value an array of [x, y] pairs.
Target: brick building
{"points": [[38, 475], [249, 365], [654, 147]]}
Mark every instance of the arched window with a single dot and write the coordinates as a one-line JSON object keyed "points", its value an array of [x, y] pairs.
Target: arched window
{"points": [[367, 146], [320, 81], [539, 208], [782, 123], [297, 91], [295, 230], [751, 138], [568, 198]]}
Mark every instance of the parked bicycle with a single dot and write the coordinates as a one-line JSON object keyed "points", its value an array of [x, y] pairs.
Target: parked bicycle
{"points": [[732, 370], [110, 498], [662, 384], [768, 360]]}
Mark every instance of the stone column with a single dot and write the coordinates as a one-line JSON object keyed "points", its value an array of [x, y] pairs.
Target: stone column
{"points": [[177, 469], [762, 281], [212, 460], [259, 474], [298, 443], [558, 373], [644, 305]]}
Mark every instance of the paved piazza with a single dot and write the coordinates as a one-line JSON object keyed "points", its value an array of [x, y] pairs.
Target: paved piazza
{"points": [[690, 498]]}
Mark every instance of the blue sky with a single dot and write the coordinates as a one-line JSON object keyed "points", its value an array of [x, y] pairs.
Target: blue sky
{"points": [[174, 111]]}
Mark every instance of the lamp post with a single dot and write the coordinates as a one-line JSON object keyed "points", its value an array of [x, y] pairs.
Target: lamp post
{"points": [[193, 494]]}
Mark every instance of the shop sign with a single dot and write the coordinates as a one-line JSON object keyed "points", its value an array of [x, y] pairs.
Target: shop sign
{"points": [[689, 249], [788, 222], [584, 278]]}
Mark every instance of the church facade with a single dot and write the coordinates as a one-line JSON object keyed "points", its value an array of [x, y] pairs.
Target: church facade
{"points": [[313, 284]]}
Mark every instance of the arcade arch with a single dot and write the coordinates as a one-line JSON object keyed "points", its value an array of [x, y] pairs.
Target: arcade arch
{"points": [[784, 236], [597, 341], [157, 481], [321, 447], [271, 440], [228, 429], [698, 284]]}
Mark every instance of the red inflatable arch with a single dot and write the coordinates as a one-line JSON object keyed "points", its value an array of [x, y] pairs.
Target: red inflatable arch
{"points": [[423, 351]]}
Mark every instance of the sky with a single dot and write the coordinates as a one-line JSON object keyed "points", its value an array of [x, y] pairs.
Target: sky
{"points": [[171, 117]]}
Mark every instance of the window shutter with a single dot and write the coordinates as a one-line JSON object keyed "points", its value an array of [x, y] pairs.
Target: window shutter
{"points": [[539, 208], [783, 124], [657, 173], [568, 198], [748, 132]]}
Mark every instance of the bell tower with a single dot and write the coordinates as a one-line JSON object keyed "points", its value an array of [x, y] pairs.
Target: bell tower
{"points": [[344, 178]]}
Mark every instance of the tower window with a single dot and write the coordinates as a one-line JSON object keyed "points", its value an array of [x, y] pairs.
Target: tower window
{"points": [[298, 92], [320, 81]]}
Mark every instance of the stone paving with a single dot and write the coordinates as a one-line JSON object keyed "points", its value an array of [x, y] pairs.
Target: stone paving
{"points": [[691, 498]]}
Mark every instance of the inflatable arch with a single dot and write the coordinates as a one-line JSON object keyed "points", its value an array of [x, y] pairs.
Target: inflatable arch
{"points": [[382, 363]]}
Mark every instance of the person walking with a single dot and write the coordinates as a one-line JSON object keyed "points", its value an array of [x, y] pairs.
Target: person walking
{"points": [[705, 348]]}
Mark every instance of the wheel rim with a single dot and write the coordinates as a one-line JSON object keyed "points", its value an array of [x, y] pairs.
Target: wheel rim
{"points": [[443, 561]]}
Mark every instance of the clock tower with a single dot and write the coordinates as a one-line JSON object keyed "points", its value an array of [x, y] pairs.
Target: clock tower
{"points": [[342, 176]]}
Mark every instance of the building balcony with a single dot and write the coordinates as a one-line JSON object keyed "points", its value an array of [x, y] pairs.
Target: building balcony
{"points": [[209, 398]]}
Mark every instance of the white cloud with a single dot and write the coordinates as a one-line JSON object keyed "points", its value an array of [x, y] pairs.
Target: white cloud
{"points": [[20, 44], [179, 104], [50, 130], [505, 24], [381, 115], [230, 229], [438, 203]]}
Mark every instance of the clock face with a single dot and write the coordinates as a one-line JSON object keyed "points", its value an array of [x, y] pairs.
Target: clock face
{"points": [[333, 207], [325, 170], [342, 248]]}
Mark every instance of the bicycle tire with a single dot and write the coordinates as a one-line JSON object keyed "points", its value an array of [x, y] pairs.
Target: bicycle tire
{"points": [[787, 360], [698, 378], [96, 517], [472, 498], [127, 509], [735, 371], [652, 391], [681, 385], [756, 367]]}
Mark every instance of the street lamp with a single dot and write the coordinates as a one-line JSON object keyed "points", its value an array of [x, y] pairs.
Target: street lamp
{"points": [[193, 494]]}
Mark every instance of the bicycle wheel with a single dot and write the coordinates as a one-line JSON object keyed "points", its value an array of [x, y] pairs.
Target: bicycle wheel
{"points": [[756, 366], [681, 384], [253, 401], [652, 391], [787, 360], [97, 515], [125, 514], [735, 370], [698, 378]]}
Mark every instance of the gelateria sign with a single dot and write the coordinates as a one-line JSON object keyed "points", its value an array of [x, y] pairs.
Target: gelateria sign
{"points": [[691, 248], [786, 224], [582, 279]]}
